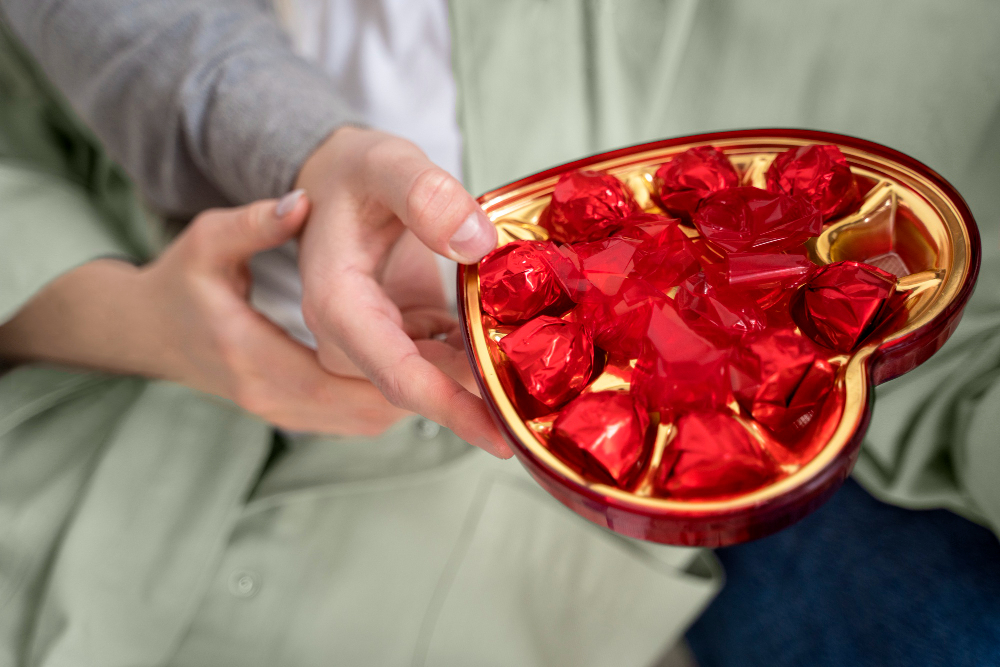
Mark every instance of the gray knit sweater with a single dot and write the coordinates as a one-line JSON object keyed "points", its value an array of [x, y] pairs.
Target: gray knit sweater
{"points": [[203, 102]]}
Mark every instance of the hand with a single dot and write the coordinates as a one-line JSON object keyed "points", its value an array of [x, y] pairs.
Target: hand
{"points": [[185, 317], [372, 191]]}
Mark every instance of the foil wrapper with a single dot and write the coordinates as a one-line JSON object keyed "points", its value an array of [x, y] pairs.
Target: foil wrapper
{"points": [[690, 177], [603, 435], [587, 206], [668, 257], [553, 358], [599, 265], [517, 281], [843, 302], [712, 455], [679, 369], [782, 380], [619, 321], [656, 251], [749, 219], [646, 227], [717, 311], [819, 173]]}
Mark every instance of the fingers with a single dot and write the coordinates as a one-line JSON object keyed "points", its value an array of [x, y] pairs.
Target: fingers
{"points": [[285, 385], [411, 276], [395, 366], [431, 203], [451, 360], [234, 235]]}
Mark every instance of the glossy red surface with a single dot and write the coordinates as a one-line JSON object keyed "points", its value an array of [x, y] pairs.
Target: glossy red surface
{"points": [[713, 454], [754, 220], [553, 358], [516, 279], [818, 173], [843, 302], [604, 434], [587, 206], [684, 182], [716, 525]]}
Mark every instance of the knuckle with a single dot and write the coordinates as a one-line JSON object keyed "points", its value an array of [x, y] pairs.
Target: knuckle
{"points": [[434, 196], [248, 222], [254, 217], [390, 385]]}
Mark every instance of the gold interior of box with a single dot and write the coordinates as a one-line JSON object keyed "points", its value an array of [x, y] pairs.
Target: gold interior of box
{"points": [[902, 213]]}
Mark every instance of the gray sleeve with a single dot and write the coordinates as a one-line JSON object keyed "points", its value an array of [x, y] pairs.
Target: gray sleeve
{"points": [[203, 102]]}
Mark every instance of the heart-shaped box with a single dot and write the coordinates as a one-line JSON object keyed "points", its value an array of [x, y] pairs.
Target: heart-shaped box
{"points": [[910, 221]]}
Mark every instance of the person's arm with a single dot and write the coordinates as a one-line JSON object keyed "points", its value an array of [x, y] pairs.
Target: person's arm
{"points": [[202, 101], [185, 318]]}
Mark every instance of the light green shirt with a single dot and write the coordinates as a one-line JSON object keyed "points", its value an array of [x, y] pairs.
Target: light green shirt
{"points": [[135, 528]]}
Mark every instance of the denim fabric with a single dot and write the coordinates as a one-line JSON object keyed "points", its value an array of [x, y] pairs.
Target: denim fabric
{"points": [[858, 583]]}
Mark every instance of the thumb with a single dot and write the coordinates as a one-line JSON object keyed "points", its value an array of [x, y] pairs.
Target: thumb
{"points": [[237, 234], [435, 207]]}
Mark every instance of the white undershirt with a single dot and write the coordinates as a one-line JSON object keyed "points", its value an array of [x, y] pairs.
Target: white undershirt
{"points": [[391, 61]]}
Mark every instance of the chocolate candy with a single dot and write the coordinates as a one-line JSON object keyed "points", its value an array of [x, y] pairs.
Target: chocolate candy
{"points": [[689, 178], [782, 379], [619, 321], [587, 206], [553, 358], [754, 220], [717, 311], [712, 455], [683, 326], [679, 369], [820, 174], [517, 282], [603, 435], [843, 302]]}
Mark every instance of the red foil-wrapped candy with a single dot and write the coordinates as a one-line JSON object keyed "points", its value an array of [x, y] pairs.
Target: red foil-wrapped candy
{"points": [[712, 455], [603, 435], [517, 282], [619, 321], [843, 302], [679, 369], [587, 206], [819, 173], [646, 227], [716, 311], [604, 264], [782, 379], [666, 257], [690, 177], [749, 219], [553, 358]]}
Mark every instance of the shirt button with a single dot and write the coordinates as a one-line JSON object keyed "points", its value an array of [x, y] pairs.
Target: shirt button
{"points": [[244, 584], [427, 429]]}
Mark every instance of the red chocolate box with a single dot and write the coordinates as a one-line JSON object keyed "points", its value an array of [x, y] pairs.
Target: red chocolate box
{"points": [[723, 372]]}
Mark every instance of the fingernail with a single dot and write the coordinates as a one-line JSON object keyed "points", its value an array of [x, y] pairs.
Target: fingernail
{"points": [[501, 451], [476, 237], [287, 203]]}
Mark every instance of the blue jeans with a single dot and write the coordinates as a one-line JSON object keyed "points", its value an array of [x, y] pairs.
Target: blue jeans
{"points": [[858, 583]]}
